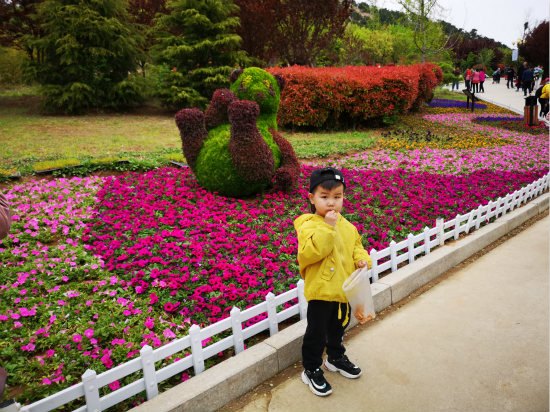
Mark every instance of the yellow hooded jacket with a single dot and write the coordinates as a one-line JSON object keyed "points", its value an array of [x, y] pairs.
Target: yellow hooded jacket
{"points": [[327, 255]]}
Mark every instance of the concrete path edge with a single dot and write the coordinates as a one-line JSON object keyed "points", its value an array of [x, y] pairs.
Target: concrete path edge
{"points": [[237, 375]]}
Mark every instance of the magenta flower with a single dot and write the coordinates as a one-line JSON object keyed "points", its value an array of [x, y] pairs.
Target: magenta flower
{"points": [[168, 334]]}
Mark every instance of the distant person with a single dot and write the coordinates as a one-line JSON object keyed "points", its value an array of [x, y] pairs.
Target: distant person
{"points": [[527, 80], [475, 81], [329, 250], [543, 97], [496, 76], [537, 75], [521, 69], [456, 79], [467, 78], [510, 74], [5, 216], [481, 81]]}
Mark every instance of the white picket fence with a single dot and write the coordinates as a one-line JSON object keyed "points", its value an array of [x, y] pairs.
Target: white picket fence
{"points": [[386, 259]]}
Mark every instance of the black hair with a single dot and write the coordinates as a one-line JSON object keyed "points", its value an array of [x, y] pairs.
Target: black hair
{"points": [[327, 185]]}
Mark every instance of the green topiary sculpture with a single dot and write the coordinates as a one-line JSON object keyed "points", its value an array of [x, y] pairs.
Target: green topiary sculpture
{"points": [[235, 149]]}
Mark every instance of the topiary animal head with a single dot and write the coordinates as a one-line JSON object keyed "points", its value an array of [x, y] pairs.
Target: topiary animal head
{"points": [[258, 86]]}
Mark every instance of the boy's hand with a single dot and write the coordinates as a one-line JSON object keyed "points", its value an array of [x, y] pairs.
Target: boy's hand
{"points": [[331, 218], [362, 263]]}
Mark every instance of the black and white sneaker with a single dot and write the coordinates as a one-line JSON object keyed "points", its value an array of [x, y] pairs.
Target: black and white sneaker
{"points": [[344, 366], [317, 382]]}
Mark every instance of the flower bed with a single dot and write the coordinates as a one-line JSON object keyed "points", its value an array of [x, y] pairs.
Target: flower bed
{"points": [[453, 104], [512, 123], [526, 152], [95, 268]]}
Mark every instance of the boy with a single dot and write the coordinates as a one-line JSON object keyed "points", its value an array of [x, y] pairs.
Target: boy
{"points": [[329, 250]]}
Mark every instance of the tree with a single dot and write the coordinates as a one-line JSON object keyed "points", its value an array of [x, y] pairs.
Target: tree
{"points": [[88, 50], [485, 57], [465, 45], [307, 27], [142, 15], [19, 23], [420, 14], [197, 40], [535, 47], [257, 28], [364, 46]]}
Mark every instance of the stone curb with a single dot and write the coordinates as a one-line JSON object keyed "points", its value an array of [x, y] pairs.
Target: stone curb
{"points": [[237, 375]]}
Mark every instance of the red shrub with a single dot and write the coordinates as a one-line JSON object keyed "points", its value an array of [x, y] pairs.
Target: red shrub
{"points": [[335, 96]]}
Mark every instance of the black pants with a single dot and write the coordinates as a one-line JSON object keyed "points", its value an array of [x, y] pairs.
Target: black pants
{"points": [[481, 89], [467, 83], [527, 86], [543, 107], [324, 329], [510, 82], [474, 87]]}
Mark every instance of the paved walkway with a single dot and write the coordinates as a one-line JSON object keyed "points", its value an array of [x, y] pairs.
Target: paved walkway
{"points": [[499, 94], [478, 341]]}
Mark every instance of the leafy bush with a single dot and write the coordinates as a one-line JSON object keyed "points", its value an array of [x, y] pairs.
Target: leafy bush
{"points": [[11, 66], [344, 96]]}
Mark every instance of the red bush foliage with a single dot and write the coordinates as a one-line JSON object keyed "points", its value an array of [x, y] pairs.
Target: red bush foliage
{"points": [[256, 166], [335, 96], [288, 172], [190, 122]]}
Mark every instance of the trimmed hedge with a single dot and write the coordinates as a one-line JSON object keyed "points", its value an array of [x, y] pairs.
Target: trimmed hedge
{"points": [[341, 96]]}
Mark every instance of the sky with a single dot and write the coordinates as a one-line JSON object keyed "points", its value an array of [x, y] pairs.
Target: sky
{"points": [[501, 20]]}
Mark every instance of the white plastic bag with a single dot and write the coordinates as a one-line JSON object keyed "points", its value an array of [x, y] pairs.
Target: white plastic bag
{"points": [[359, 294]]}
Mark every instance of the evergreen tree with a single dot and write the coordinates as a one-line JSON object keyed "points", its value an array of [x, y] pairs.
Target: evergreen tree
{"points": [[197, 40], [88, 51]]}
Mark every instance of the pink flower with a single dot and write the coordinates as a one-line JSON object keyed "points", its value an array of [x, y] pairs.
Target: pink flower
{"points": [[169, 334], [149, 324], [89, 333], [77, 338], [46, 381], [114, 385]]}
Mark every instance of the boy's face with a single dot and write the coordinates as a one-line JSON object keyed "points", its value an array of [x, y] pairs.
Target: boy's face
{"points": [[325, 200]]}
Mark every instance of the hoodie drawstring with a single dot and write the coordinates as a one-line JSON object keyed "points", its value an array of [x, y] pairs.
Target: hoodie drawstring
{"points": [[346, 319]]}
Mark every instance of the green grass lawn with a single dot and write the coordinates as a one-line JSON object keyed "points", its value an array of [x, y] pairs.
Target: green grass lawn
{"points": [[440, 93], [27, 137]]}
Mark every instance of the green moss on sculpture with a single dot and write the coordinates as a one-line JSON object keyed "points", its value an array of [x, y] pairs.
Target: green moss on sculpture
{"points": [[238, 155]]}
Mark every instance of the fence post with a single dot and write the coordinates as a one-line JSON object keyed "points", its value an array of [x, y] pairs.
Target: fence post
{"points": [[426, 240], [410, 247], [488, 215], [374, 257], [196, 349], [478, 216], [91, 391], [237, 328], [506, 204], [393, 256], [149, 375], [457, 226], [470, 220], [271, 314], [302, 299], [440, 231]]}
